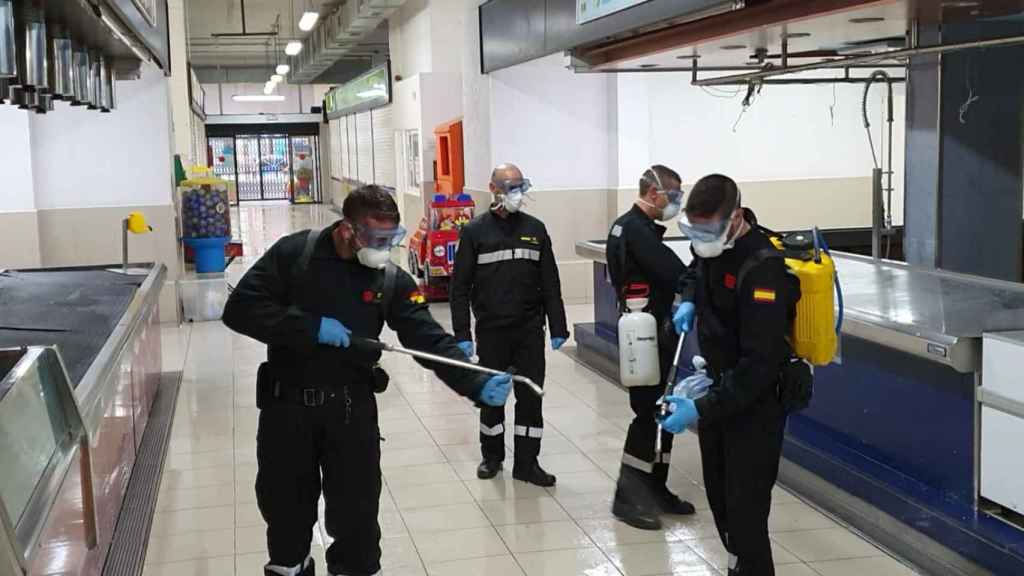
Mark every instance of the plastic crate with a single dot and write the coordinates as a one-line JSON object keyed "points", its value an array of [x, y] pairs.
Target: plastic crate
{"points": [[203, 297]]}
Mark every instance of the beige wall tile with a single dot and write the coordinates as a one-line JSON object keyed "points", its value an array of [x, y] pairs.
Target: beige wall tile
{"points": [[19, 247]]}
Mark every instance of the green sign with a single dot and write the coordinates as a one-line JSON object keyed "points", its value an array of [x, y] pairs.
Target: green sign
{"points": [[589, 10], [369, 91]]}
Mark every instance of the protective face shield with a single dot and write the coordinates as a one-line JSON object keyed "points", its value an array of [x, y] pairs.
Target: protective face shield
{"points": [[709, 239], [511, 193], [675, 199], [373, 245]]}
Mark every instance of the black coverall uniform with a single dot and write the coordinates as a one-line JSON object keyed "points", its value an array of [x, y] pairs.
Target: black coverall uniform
{"points": [[743, 337], [636, 254], [505, 270], [320, 432]]}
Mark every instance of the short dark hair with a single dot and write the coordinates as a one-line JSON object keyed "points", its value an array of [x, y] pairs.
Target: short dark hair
{"points": [[370, 201], [712, 195], [658, 173]]}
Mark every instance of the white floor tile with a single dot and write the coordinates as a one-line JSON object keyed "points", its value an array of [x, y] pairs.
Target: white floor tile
{"points": [[523, 511], [221, 566], [493, 566], [445, 518], [588, 561], [437, 547], [544, 536], [829, 544]]}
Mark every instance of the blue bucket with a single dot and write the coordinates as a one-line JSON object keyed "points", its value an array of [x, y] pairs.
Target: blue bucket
{"points": [[209, 253]]}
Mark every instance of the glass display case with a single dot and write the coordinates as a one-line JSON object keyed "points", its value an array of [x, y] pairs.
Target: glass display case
{"points": [[41, 431]]}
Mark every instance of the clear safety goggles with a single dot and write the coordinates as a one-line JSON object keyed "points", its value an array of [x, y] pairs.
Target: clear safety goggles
{"points": [[515, 186], [379, 238], [709, 231], [675, 195]]}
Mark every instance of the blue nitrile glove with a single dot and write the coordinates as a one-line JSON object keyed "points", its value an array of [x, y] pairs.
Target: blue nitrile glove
{"points": [[496, 390], [334, 333], [557, 342], [467, 348], [682, 319], [684, 415]]}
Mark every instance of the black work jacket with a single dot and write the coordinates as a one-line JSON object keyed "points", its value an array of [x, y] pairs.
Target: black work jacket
{"points": [[505, 269], [743, 330], [635, 252], [283, 312]]}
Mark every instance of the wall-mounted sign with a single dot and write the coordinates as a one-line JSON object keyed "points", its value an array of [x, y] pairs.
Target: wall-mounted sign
{"points": [[588, 10], [369, 91]]}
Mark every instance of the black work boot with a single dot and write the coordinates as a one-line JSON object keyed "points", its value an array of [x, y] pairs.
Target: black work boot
{"points": [[488, 469], [634, 503], [533, 474], [668, 502], [308, 569]]}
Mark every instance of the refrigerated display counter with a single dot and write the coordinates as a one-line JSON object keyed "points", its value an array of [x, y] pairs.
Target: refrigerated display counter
{"points": [[80, 365]]}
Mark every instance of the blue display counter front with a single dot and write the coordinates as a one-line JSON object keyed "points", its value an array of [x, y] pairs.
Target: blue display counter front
{"points": [[894, 425]]}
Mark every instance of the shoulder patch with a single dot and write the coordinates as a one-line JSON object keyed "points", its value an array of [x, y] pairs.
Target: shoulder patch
{"points": [[616, 231], [530, 239], [764, 295]]}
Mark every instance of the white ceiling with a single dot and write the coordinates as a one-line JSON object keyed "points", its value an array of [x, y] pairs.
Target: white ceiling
{"points": [[210, 17]]}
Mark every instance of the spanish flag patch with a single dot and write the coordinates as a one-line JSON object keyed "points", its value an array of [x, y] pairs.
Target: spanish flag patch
{"points": [[764, 295], [416, 297]]}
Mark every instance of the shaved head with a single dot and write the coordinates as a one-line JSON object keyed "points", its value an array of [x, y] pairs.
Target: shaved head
{"points": [[506, 172]]}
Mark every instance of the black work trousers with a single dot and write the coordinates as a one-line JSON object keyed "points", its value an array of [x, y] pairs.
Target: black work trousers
{"points": [[521, 350], [638, 453], [741, 455], [334, 448]]}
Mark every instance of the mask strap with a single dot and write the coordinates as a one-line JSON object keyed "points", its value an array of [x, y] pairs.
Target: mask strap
{"points": [[657, 178]]}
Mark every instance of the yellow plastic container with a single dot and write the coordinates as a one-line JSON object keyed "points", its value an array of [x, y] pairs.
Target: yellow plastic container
{"points": [[814, 330]]}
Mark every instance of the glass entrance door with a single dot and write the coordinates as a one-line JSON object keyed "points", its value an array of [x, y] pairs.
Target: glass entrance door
{"points": [[270, 166]]}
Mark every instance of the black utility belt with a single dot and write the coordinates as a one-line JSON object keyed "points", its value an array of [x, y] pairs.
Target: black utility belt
{"points": [[270, 389]]}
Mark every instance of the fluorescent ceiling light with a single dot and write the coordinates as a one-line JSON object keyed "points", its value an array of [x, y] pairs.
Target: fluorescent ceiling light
{"points": [[258, 98], [293, 48], [308, 20], [372, 93], [268, 88], [283, 69], [277, 78]]}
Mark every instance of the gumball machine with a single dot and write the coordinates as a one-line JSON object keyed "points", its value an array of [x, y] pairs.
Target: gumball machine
{"points": [[205, 218]]}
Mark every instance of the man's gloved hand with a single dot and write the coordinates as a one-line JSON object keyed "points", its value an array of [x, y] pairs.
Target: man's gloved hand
{"points": [[682, 318], [334, 333], [496, 390], [557, 342], [467, 348], [683, 417]]}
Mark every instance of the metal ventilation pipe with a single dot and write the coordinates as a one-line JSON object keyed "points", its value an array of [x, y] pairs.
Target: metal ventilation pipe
{"points": [[8, 61], [80, 77], [60, 64], [95, 82], [106, 81], [30, 31]]}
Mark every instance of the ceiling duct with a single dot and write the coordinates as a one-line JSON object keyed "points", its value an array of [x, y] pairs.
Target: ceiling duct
{"points": [[60, 61], [80, 77], [30, 48], [337, 35]]}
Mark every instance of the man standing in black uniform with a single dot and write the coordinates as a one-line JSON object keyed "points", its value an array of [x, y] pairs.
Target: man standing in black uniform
{"points": [[506, 270], [636, 254], [744, 316], [307, 298]]}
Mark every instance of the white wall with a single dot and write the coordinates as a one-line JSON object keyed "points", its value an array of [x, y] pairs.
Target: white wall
{"points": [[409, 36], [16, 193], [554, 124], [476, 104], [81, 158]]}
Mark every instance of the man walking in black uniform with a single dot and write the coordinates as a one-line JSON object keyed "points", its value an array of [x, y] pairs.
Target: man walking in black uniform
{"points": [[506, 270], [636, 254], [745, 307], [308, 298]]}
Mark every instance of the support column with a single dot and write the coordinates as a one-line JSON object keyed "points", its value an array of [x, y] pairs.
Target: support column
{"points": [[965, 162]]}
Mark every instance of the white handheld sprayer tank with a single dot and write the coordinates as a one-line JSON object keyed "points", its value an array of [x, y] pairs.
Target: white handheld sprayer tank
{"points": [[638, 344]]}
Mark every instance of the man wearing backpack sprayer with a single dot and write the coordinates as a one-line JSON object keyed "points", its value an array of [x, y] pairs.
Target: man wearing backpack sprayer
{"points": [[744, 317], [307, 298]]}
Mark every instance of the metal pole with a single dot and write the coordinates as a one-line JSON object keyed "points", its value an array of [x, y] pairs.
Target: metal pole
{"points": [[671, 380], [865, 59], [385, 347], [877, 211], [124, 246]]}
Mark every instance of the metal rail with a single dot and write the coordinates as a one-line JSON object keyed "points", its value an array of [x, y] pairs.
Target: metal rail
{"points": [[859, 60]]}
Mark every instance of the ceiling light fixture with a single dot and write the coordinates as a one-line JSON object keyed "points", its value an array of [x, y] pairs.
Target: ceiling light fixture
{"points": [[283, 69], [277, 78], [867, 20], [293, 48], [308, 20], [734, 47], [792, 35], [268, 88], [258, 98]]}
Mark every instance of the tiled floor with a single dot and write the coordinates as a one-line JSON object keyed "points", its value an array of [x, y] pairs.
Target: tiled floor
{"points": [[436, 517]]}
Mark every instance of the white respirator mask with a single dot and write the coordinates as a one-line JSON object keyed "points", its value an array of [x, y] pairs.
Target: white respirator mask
{"points": [[373, 257], [710, 240], [512, 194]]}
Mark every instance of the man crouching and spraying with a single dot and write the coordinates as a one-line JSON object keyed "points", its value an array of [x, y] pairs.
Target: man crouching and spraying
{"points": [[309, 298]]}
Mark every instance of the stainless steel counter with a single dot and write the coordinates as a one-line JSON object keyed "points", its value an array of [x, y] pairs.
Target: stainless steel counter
{"points": [[928, 313]]}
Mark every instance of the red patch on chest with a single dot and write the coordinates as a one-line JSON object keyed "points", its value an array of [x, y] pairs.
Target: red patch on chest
{"points": [[369, 296], [729, 281]]}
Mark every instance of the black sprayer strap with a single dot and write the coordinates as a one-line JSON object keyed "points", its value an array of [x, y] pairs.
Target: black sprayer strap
{"points": [[753, 261], [390, 278], [302, 265]]}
